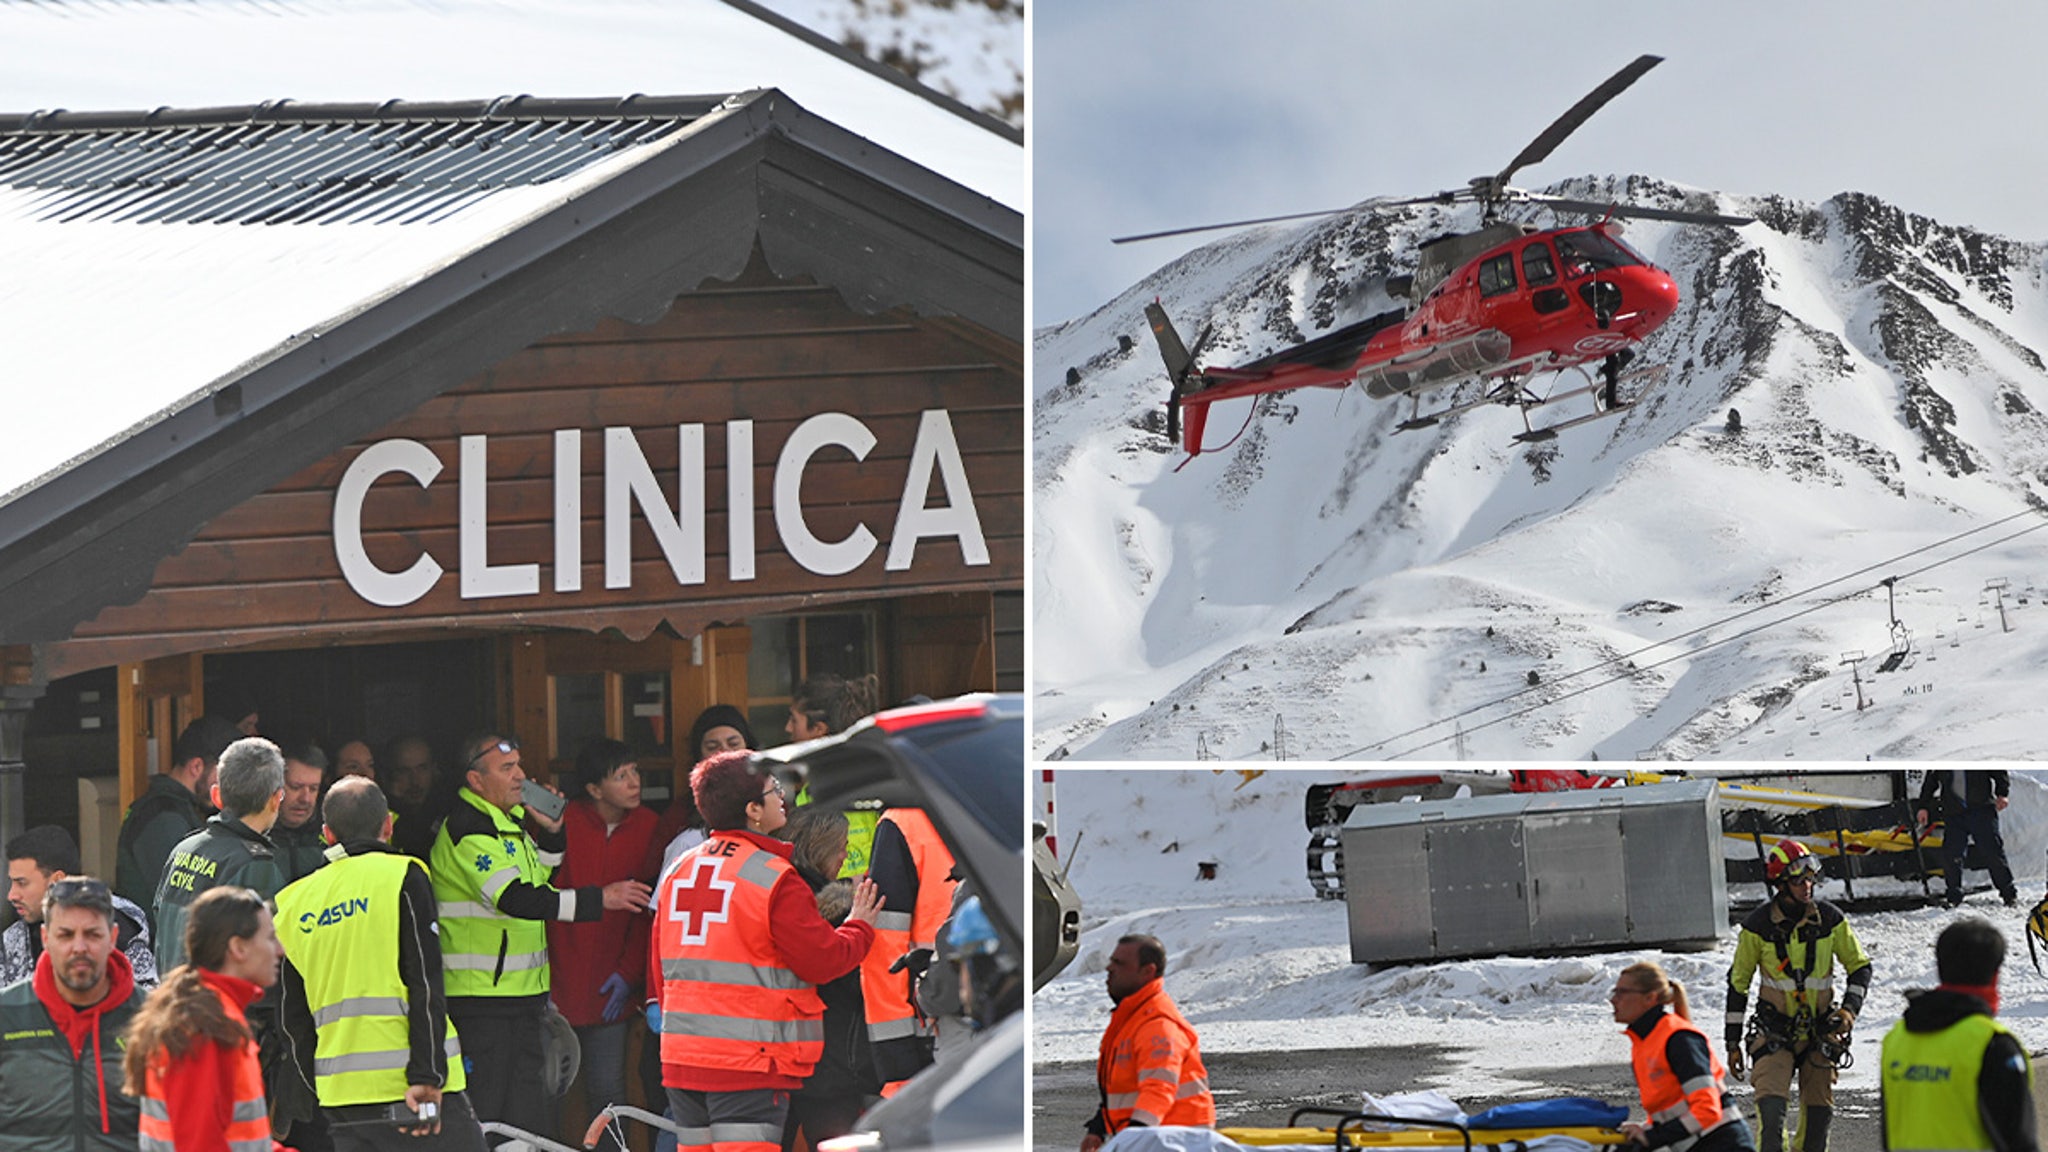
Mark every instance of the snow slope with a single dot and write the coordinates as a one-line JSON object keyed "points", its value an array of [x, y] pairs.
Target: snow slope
{"points": [[1676, 589], [1257, 963]]}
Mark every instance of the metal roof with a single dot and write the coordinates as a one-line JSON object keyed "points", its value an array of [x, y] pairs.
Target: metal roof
{"points": [[220, 53], [199, 302], [395, 163]]}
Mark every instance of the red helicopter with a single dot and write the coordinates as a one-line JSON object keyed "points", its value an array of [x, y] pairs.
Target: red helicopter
{"points": [[1507, 303]]}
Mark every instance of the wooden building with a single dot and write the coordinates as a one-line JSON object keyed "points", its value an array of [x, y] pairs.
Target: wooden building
{"points": [[569, 416]]}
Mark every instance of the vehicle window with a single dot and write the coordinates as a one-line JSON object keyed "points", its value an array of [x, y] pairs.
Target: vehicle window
{"points": [[1497, 275], [1583, 252], [1537, 267], [981, 766]]}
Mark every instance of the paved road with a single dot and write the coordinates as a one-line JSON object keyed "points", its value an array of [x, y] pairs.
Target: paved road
{"points": [[1257, 1089]]}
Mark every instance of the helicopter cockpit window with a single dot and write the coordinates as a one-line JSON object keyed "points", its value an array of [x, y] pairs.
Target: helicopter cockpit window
{"points": [[1592, 251], [1536, 264], [1497, 275]]}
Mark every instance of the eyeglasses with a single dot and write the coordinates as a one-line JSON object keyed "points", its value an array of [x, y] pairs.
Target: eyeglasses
{"points": [[774, 789], [506, 745], [1618, 992]]}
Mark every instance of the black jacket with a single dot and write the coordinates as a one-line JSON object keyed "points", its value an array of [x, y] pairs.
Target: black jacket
{"points": [[1981, 789]]}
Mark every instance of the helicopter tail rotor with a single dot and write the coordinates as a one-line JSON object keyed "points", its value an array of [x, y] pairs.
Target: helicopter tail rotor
{"points": [[1181, 367]]}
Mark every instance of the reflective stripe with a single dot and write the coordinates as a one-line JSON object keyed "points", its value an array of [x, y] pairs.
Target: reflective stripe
{"points": [[476, 962], [155, 1109], [757, 1133], [152, 1144], [740, 1028], [692, 1136], [729, 972], [893, 1029], [892, 921], [1166, 1074], [246, 1110], [1195, 1087], [361, 1062], [1123, 1099], [1705, 1080], [472, 911], [259, 1144], [1140, 1116], [1813, 984], [380, 1006], [496, 882], [757, 870], [1732, 1016]]}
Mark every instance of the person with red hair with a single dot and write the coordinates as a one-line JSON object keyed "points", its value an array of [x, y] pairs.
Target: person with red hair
{"points": [[739, 951]]}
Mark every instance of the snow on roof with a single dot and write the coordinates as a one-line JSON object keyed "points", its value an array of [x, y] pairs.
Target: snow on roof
{"points": [[143, 275], [143, 268], [111, 54]]}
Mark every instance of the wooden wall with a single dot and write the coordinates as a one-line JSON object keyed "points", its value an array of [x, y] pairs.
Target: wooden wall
{"points": [[771, 352]]}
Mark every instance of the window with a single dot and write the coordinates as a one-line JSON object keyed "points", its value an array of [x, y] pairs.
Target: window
{"points": [[1592, 251], [789, 649], [1537, 267], [1497, 275]]}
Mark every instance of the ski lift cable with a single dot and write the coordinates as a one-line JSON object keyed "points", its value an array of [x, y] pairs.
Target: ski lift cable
{"points": [[1764, 627], [1612, 660]]}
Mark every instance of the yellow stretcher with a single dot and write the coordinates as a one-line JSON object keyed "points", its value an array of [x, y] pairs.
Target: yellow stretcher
{"points": [[1351, 1132]]}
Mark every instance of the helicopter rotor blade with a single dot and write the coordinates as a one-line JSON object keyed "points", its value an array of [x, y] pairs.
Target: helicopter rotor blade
{"points": [[1637, 211], [1376, 202], [1569, 123]]}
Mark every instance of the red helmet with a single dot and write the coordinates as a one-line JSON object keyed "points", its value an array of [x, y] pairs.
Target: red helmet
{"points": [[1790, 858]]}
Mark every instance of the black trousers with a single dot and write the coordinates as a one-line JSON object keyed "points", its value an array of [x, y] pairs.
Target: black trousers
{"points": [[748, 1121], [459, 1132], [503, 1053], [1959, 829]]}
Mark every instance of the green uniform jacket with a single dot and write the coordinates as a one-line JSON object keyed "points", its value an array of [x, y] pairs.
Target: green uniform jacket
{"points": [[225, 851], [164, 814], [299, 850], [1796, 962], [49, 1099]]}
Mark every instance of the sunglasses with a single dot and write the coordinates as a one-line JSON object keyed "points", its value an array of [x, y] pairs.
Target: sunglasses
{"points": [[72, 887], [507, 746]]}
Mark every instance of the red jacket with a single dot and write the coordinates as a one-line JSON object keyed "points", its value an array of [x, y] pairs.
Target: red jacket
{"points": [[583, 953], [207, 1092], [811, 948]]}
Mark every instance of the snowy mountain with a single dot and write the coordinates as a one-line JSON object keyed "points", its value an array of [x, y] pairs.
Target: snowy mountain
{"points": [[1650, 585]]}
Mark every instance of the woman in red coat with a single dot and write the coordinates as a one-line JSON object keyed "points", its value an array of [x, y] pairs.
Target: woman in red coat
{"points": [[598, 965], [190, 1053]]}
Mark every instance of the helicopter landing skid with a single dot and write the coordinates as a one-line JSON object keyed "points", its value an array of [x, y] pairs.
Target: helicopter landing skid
{"points": [[1606, 402]]}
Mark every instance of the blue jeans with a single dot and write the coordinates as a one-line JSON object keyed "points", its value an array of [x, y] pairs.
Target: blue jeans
{"points": [[604, 1066]]}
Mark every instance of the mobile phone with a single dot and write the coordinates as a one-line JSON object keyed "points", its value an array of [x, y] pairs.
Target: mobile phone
{"points": [[541, 800]]}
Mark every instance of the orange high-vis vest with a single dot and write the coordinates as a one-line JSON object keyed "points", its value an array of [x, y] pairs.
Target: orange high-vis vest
{"points": [[248, 1120], [906, 922], [727, 999], [1696, 1103], [1150, 1068]]}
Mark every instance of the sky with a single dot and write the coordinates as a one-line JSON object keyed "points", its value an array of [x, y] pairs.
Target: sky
{"points": [[1149, 114]]}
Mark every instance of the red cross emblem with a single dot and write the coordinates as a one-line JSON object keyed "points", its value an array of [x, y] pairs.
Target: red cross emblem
{"points": [[710, 903]]}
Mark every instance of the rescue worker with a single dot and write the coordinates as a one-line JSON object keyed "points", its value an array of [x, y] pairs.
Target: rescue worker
{"points": [[362, 986], [913, 871], [1797, 942], [1683, 1085], [491, 863], [739, 950], [233, 847], [61, 1030], [824, 705], [191, 1056], [1150, 1069], [1954, 1077]]}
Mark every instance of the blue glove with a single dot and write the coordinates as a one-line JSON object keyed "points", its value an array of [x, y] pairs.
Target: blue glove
{"points": [[654, 1017], [615, 992]]}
